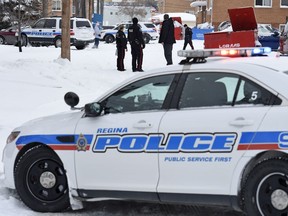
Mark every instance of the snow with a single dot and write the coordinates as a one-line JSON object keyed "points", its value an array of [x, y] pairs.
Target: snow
{"points": [[184, 16], [33, 84]]}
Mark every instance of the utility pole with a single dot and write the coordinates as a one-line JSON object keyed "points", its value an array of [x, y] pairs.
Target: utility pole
{"points": [[19, 27], [65, 40]]}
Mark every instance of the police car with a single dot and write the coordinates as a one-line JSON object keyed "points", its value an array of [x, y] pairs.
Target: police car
{"points": [[47, 31], [149, 31], [210, 131]]}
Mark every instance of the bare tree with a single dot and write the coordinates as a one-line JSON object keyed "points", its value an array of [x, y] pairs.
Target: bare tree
{"points": [[133, 9]]}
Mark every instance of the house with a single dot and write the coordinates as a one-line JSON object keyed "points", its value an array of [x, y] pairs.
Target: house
{"points": [[273, 12], [79, 8]]}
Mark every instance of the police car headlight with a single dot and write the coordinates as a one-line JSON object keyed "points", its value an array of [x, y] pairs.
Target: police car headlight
{"points": [[12, 136]]}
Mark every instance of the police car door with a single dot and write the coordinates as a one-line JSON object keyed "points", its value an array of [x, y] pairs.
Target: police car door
{"points": [[42, 31], [215, 112], [123, 155]]}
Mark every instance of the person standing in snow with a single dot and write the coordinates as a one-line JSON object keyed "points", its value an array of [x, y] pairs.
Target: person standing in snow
{"points": [[188, 37], [121, 44], [97, 35], [137, 43], [167, 38]]}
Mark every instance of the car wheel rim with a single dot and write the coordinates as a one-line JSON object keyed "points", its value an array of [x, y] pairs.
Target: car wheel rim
{"points": [[1, 40], [272, 195], [58, 43], [46, 180]]}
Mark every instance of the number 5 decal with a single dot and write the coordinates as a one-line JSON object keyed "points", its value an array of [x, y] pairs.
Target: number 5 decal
{"points": [[254, 95]]}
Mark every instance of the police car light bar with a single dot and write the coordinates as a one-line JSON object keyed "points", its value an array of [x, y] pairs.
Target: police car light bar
{"points": [[235, 52]]}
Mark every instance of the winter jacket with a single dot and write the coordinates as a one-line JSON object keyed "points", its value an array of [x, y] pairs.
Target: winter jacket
{"points": [[135, 36], [121, 40], [167, 32], [188, 34], [97, 32]]}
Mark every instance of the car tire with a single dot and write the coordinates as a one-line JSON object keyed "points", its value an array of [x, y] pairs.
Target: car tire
{"points": [[80, 47], [109, 39], [40, 180], [58, 42], [2, 40], [146, 38], [265, 190]]}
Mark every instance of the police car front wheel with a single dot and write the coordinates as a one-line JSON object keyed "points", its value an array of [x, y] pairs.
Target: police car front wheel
{"points": [[266, 188], [40, 180]]}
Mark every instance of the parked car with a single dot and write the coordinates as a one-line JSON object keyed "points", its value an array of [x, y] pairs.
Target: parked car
{"points": [[7, 36], [47, 31], [212, 131], [268, 36], [148, 28]]}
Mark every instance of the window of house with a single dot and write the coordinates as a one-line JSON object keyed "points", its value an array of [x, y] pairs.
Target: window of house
{"points": [[56, 5], [284, 3], [263, 3]]}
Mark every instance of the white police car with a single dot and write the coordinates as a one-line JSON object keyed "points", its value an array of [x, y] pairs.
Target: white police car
{"points": [[149, 31], [47, 31], [208, 133]]}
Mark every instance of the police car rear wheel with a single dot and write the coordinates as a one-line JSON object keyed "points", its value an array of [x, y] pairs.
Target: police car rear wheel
{"points": [[41, 181], [266, 188], [58, 42], [109, 39]]}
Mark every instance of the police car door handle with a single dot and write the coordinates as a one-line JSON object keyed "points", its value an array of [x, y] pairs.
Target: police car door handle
{"points": [[142, 124], [241, 122]]}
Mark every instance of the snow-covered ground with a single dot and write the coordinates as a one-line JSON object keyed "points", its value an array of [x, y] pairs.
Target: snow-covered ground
{"points": [[33, 84]]}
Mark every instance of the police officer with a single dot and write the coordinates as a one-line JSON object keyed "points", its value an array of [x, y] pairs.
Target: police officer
{"points": [[188, 37], [121, 44], [137, 43]]}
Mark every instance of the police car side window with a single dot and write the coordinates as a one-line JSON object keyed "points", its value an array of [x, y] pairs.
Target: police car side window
{"points": [[208, 89], [251, 93], [146, 94], [39, 24], [50, 23]]}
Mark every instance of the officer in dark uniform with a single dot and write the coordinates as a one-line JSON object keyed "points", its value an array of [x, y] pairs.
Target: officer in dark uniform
{"points": [[137, 43], [121, 44], [188, 37]]}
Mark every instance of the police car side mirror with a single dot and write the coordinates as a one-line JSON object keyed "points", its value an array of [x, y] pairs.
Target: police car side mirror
{"points": [[93, 109], [71, 99]]}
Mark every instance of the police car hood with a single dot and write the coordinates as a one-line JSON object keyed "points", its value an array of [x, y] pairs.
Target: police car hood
{"points": [[58, 124]]}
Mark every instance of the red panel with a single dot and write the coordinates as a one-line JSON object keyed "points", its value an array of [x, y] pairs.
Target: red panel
{"points": [[242, 19], [229, 39]]}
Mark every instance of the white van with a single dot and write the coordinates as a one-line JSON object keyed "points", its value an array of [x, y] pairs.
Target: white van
{"points": [[47, 31]]}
